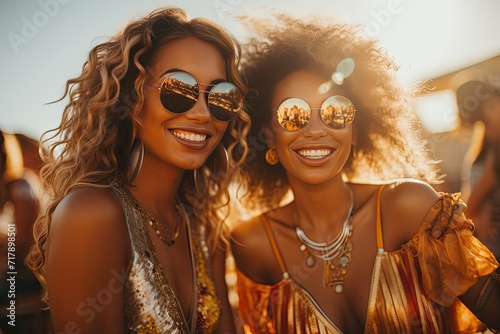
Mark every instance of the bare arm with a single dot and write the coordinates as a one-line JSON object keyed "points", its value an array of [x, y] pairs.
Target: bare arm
{"points": [[86, 260], [483, 299], [227, 324]]}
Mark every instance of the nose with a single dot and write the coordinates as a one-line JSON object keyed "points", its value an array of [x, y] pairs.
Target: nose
{"points": [[200, 112], [315, 128]]}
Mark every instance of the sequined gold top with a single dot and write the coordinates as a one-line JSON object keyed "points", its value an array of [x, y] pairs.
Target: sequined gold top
{"points": [[413, 289], [150, 303]]}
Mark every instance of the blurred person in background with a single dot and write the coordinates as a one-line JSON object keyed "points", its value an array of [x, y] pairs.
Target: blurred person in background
{"points": [[20, 202], [479, 106]]}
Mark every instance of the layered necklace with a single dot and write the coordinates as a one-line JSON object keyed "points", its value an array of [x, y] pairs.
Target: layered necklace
{"points": [[335, 254], [170, 237]]}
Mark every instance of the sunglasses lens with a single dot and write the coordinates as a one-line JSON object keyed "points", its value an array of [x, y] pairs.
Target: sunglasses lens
{"points": [[293, 114], [337, 112], [179, 92], [225, 101]]}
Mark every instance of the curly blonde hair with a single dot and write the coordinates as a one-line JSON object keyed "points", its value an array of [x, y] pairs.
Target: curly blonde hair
{"points": [[389, 142], [99, 124]]}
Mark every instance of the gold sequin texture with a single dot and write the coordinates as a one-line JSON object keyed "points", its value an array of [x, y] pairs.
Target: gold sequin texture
{"points": [[151, 306]]}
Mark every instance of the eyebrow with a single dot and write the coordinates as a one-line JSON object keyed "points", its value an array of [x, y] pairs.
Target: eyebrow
{"points": [[171, 71], [211, 83]]}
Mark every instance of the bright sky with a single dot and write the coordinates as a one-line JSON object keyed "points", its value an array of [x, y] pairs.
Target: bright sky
{"points": [[45, 42]]}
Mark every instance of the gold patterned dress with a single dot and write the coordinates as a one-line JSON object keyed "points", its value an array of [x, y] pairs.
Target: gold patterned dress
{"points": [[413, 289], [150, 303]]}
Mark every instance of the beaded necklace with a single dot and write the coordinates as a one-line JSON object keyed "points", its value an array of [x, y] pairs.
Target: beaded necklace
{"points": [[335, 254]]}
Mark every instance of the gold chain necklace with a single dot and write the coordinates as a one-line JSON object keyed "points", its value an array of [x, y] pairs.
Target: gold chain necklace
{"points": [[173, 233], [335, 254]]}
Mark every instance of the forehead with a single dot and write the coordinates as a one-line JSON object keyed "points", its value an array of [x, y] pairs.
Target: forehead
{"points": [[309, 85], [190, 54]]}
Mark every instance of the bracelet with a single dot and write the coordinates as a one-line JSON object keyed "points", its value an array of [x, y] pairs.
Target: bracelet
{"points": [[495, 277], [485, 293]]}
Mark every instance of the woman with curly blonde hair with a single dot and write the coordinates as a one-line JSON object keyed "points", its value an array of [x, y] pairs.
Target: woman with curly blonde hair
{"points": [[362, 246], [138, 174]]}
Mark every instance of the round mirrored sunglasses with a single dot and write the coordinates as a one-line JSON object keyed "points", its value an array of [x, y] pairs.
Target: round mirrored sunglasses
{"points": [[337, 112], [180, 91]]}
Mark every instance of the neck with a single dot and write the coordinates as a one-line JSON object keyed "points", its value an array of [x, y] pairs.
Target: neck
{"points": [[323, 208], [155, 187]]}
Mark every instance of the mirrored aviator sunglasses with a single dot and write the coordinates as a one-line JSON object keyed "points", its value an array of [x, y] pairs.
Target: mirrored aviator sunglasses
{"points": [[180, 91], [337, 112]]}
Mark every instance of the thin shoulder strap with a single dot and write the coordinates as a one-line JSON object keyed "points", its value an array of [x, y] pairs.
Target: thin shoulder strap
{"points": [[380, 238], [272, 240]]}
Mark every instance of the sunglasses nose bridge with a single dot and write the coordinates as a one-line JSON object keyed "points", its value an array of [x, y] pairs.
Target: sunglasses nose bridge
{"points": [[315, 126], [204, 93], [200, 110]]}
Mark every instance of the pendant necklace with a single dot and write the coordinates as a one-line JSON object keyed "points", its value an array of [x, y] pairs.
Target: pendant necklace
{"points": [[170, 238], [335, 254]]}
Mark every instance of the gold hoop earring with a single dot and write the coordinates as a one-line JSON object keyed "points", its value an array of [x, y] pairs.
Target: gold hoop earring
{"points": [[135, 159], [271, 157], [219, 163]]}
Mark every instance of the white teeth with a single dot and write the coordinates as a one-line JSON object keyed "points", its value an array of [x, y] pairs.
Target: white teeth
{"points": [[189, 136], [314, 154]]}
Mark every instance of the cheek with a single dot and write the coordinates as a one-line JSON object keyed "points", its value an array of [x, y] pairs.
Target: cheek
{"points": [[274, 126], [348, 136], [221, 127], [279, 134], [148, 107], [282, 141], [152, 111]]}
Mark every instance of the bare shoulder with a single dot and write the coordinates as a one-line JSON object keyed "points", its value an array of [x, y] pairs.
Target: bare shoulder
{"points": [[91, 216], [248, 233], [247, 238], [88, 208], [405, 204], [249, 241], [88, 251], [411, 194]]}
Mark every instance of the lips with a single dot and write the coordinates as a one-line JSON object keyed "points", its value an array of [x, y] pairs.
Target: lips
{"points": [[314, 153], [189, 136]]}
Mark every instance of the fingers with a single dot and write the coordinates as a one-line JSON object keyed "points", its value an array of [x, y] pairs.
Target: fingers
{"points": [[437, 231]]}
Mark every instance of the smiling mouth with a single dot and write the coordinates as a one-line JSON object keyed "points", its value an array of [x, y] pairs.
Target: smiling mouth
{"points": [[314, 154], [189, 136]]}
